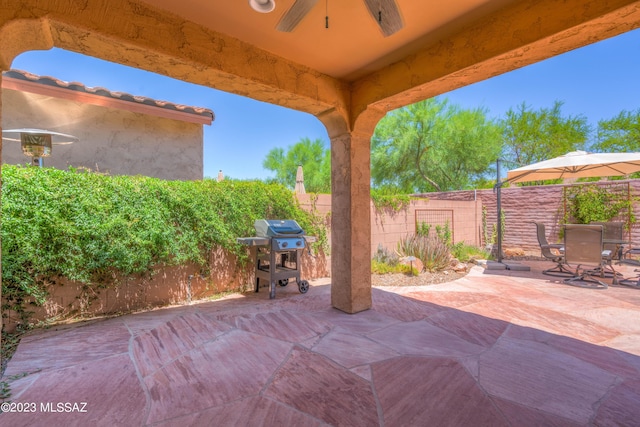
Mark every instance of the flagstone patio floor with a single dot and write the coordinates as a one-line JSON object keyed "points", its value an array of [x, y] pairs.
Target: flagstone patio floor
{"points": [[495, 348]]}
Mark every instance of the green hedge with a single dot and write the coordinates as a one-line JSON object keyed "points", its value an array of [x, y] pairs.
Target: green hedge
{"points": [[87, 226]]}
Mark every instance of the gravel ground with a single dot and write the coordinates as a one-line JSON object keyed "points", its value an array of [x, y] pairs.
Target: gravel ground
{"points": [[424, 278]]}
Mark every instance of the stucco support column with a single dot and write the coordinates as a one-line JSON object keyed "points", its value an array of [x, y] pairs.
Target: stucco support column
{"points": [[351, 212], [350, 222], [1, 70], [17, 37]]}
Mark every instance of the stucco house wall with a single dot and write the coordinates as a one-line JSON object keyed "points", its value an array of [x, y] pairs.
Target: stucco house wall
{"points": [[112, 138]]}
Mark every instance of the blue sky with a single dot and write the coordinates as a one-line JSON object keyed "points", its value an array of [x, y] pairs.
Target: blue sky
{"points": [[597, 81]]}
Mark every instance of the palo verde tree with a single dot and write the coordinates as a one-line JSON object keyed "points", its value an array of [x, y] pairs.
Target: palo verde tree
{"points": [[619, 134], [531, 136], [433, 146], [314, 158]]}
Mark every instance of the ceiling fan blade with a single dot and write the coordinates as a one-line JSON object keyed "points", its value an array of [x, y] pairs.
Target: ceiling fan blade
{"points": [[386, 14], [294, 15]]}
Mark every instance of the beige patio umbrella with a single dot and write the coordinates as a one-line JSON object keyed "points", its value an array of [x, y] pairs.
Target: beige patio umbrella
{"points": [[220, 176], [300, 181], [575, 164], [578, 164]]}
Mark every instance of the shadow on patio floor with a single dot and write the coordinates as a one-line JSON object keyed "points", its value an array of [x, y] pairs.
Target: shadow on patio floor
{"points": [[512, 349]]}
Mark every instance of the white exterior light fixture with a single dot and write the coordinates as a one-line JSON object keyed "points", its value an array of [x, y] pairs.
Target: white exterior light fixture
{"points": [[262, 6]]}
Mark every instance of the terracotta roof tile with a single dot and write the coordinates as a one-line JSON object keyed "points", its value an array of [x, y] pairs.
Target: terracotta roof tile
{"points": [[100, 91]]}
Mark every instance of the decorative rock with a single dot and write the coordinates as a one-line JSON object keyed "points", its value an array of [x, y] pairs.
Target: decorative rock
{"points": [[459, 267], [412, 261], [514, 252]]}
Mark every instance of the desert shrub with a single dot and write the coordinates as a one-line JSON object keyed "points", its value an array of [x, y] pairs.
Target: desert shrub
{"points": [[431, 250], [466, 253], [444, 233], [378, 267], [589, 203], [423, 229], [384, 261], [384, 256]]}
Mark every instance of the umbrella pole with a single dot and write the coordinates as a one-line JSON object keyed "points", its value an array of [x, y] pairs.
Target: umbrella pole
{"points": [[499, 205], [500, 265]]}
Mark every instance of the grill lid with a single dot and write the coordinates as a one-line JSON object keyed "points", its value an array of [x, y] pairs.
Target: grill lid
{"points": [[277, 228]]}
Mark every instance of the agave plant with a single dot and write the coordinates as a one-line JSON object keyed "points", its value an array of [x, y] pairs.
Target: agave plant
{"points": [[431, 250]]}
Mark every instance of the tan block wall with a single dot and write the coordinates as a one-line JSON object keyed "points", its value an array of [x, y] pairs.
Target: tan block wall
{"points": [[388, 226], [112, 141], [521, 206]]}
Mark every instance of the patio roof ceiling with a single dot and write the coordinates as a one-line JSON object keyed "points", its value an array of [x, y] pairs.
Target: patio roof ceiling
{"points": [[352, 46], [441, 46], [348, 67]]}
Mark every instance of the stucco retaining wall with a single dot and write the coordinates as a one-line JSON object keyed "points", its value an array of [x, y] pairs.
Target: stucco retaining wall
{"points": [[165, 286]]}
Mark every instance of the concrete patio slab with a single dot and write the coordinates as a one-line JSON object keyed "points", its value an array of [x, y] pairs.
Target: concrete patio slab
{"points": [[494, 348]]}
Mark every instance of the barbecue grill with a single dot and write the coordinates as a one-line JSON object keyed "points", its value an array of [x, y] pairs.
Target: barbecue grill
{"points": [[279, 245]]}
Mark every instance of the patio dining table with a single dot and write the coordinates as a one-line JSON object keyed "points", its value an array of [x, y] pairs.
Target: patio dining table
{"points": [[612, 237], [619, 254], [585, 244], [619, 243]]}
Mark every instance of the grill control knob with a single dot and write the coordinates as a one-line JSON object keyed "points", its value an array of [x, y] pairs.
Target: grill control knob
{"points": [[298, 243], [285, 244]]}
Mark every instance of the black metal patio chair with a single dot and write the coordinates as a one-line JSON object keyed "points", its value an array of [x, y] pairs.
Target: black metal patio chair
{"points": [[612, 248], [583, 248], [612, 238], [553, 252], [631, 257]]}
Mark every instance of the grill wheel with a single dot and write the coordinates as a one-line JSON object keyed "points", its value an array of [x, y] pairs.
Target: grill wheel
{"points": [[303, 286]]}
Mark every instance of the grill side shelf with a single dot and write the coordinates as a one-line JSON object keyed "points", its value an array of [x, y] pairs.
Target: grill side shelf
{"points": [[253, 241]]}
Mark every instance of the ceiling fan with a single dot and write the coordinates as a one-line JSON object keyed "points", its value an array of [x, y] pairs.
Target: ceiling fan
{"points": [[384, 12]]}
